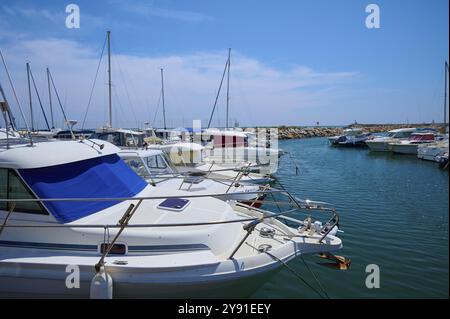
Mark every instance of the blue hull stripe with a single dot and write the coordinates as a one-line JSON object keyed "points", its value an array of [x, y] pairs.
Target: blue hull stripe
{"points": [[55, 246]]}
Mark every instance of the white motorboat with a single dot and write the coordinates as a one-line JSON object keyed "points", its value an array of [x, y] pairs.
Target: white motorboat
{"points": [[156, 168], [76, 221], [351, 137], [190, 157], [187, 156], [443, 160], [381, 144], [5, 134], [410, 146], [432, 151], [231, 147]]}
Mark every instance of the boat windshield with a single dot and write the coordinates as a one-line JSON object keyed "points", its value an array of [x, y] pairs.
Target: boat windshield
{"points": [[353, 132], [158, 165], [101, 177], [402, 134], [137, 165], [390, 134]]}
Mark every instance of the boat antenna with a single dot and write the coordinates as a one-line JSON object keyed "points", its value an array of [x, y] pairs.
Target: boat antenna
{"points": [[109, 76], [162, 95], [218, 93], [228, 84], [16, 98], [39, 97], [60, 105], [50, 98], [29, 96]]}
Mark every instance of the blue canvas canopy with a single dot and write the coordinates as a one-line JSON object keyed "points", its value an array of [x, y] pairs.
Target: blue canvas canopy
{"points": [[101, 177]]}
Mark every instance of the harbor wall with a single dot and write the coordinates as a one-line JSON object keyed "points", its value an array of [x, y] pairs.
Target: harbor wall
{"points": [[294, 132]]}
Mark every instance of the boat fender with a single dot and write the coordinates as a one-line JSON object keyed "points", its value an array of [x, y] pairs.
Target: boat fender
{"points": [[317, 225], [333, 232], [101, 285]]}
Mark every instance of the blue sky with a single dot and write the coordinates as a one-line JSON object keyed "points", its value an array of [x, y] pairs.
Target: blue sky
{"points": [[293, 62]]}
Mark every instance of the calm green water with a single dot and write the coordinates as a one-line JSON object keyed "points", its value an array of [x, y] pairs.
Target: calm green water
{"points": [[394, 211]]}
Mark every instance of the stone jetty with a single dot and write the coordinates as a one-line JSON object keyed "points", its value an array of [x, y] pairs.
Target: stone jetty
{"points": [[292, 132]]}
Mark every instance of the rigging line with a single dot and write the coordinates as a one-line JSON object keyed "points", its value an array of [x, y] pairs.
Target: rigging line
{"points": [[93, 85], [15, 94], [131, 89], [157, 108], [218, 92], [121, 75], [120, 107], [10, 117], [60, 104], [39, 99], [436, 87]]}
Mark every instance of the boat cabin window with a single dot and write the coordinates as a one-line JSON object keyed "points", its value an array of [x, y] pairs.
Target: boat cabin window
{"points": [[137, 166], [133, 140], [158, 164], [12, 187], [113, 138], [403, 134]]}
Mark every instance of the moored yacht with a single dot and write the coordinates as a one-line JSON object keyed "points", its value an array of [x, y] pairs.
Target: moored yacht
{"points": [[410, 145], [229, 147], [186, 156], [191, 158], [381, 144], [69, 205], [432, 151], [351, 137], [156, 168]]}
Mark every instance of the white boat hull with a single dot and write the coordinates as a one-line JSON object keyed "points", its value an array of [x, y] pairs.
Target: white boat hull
{"points": [[233, 287], [378, 146], [431, 152], [39, 276], [404, 148]]}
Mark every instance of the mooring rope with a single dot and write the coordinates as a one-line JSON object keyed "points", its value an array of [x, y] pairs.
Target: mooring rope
{"points": [[292, 270], [316, 279]]}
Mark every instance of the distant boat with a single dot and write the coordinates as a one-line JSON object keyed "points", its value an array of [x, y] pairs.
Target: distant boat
{"points": [[433, 151], [443, 160], [381, 144], [156, 168], [351, 137], [74, 134], [410, 146]]}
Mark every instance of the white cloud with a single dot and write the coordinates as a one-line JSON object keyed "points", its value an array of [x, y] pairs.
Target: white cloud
{"points": [[260, 94]]}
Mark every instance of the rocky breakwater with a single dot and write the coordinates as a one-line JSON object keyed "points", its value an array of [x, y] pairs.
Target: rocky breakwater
{"points": [[291, 132], [285, 133]]}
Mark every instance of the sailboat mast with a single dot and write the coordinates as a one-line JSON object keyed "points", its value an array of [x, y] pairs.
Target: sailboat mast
{"points": [[162, 94], [50, 98], [445, 95], [29, 96], [109, 77], [228, 84]]}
